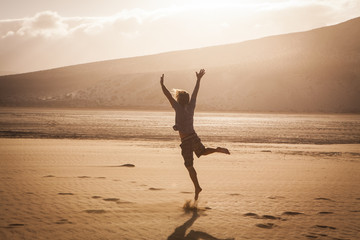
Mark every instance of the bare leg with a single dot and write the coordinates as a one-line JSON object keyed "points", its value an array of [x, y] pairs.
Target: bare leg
{"points": [[194, 179], [208, 151]]}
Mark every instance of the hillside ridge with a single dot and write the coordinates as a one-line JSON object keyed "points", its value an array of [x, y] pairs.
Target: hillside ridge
{"points": [[311, 71]]}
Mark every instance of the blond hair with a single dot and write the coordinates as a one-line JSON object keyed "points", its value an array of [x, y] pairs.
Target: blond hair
{"points": [[181, 96]]}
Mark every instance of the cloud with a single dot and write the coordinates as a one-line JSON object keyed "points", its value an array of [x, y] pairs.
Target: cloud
{"points": [[281, 14], [134, 32], [47, 24]]}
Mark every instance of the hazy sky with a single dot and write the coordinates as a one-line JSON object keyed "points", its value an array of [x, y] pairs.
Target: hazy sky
{"points": [[42, 34]]}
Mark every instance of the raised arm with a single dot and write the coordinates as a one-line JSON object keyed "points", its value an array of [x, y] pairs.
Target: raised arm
{"points": [[199, 75], [166, 92]]}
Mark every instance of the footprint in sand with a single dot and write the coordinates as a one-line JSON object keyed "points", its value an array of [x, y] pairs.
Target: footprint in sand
{"points": [[155, 189], [129, 165], [275, 197], [84, 177], [115, 200], [100, 211], [324, 199], [95, 197], [234, 194], [12, 225], [111, 199], [266, 225], [292, 213], [49, 176], [270, 217], [315, 235], [266, 151], [63, 221], [65, 193], [324, 227], [254, 215]]}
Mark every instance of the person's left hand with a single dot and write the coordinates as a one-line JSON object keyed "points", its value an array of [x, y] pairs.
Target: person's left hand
{"points": [[200, 74], [162, 80]]}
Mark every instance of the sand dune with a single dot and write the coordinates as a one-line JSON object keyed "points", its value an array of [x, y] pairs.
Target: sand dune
{"points": [[74, 189]]}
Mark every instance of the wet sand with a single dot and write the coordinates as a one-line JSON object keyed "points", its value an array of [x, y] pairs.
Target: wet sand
{"points": [[99, 189]]}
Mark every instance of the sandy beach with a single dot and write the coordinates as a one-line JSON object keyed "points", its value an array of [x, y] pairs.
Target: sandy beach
{"points": [[101, 102], [78, 189]]}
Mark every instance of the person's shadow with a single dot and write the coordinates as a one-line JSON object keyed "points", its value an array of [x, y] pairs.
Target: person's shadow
{"points": [[180, 232]]}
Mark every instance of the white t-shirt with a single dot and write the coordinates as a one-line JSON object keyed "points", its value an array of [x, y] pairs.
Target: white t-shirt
{"points": [[184, 117]]}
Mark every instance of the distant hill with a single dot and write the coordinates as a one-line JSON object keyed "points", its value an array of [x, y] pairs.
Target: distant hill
{"points": [[313, 71], [6, 72]]}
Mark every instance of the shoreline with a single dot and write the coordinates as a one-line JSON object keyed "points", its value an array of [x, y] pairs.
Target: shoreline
{"points": [[157, 126], [168, 109]]}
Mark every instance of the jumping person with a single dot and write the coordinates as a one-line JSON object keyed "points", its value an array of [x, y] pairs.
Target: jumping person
{"points": [[184, 123]]}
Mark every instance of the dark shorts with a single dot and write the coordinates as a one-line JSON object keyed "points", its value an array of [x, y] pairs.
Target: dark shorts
{"points": [[189, 145]]}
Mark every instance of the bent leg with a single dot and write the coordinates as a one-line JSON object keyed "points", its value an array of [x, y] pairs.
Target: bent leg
{"points": [[193, 176], [200, 149], [208, 151]]}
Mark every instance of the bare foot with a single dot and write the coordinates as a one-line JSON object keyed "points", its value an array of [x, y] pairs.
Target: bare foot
{"points": [[223, 150], [197, 191]]}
